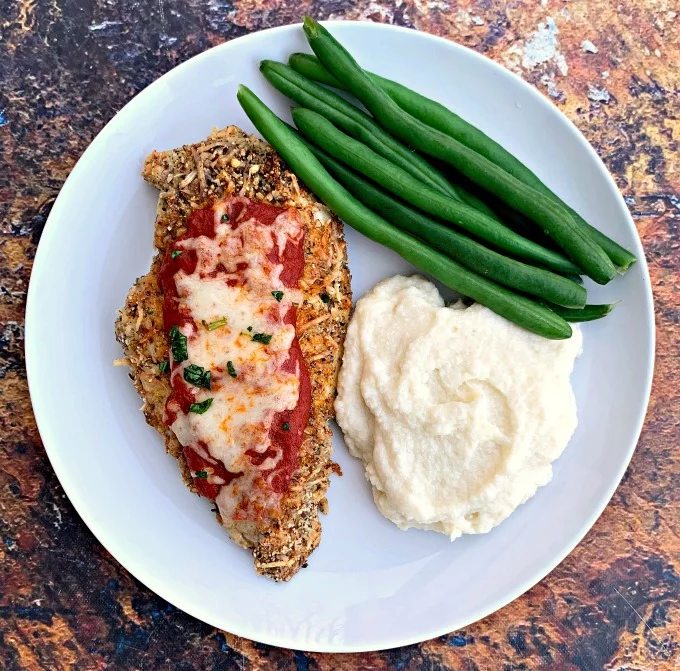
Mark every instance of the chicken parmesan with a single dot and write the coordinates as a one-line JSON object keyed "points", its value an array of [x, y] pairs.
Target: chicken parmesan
{"points": [[235, 336]]}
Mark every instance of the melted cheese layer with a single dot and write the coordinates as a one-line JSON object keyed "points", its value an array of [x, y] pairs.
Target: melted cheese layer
{"points": [[234, 280]]}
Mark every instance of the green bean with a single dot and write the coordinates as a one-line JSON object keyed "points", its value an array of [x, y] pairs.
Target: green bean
{"points": [[522, 311], [441, 118], [587, 313], [353, 121], [362, 127], [553, 218], [472, 200], [310, 66], [522, 225], [486, 262], [323, 133]]}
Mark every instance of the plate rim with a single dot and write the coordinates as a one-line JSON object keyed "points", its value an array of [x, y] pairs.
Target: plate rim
{"points": [[164, 590]]}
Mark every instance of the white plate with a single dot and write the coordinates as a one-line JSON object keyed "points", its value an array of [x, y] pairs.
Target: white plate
{"points": [[369, 585]]}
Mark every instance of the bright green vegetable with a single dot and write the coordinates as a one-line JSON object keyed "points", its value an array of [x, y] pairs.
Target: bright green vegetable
{"points": [[495, 266], [200, 408], [219, 323], [353, 121], [437, 116], [587, 313], [362, 127], [310, 66], [553, 218], [353, 153], [178, 345], [198, 376], [522, 311]]}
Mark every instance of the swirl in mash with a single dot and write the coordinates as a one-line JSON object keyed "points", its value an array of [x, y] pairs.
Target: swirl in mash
{"points": [[456, 412]]}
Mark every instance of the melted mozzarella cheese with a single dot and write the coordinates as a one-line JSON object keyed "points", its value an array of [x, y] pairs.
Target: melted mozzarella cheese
{"points": [[243, 407]]}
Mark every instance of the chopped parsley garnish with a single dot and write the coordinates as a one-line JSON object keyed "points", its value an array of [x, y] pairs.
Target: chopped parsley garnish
{"points": [[325, 297], [164, 366], [201, 474], [225, 217], [216, 324], [175, 254], [264, 338], [198, 376], [250, 328], [278, 295], [200, 408], [286, 426], [178, 345], [230, 369]]}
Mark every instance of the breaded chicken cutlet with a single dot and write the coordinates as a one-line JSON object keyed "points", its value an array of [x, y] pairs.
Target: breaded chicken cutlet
{"points": [[267, 468]]}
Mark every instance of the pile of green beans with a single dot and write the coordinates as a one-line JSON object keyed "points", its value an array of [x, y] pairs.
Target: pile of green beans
{"points": [[510, 273], [362, 127], [351, 152], [545, 212], [353, 121], [518, 309], [418, 179], [441, 118]]}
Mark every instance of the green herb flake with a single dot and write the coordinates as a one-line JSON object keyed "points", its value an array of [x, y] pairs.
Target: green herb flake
{"points": [[201, 474], [178, 345], [278, 295], [198, 376], [325, 297], [225, 217], [164, 366], [175, 254], [216, 324], [286, 426], [250, 328], [264, 338], [230, 369], [200, 408]]}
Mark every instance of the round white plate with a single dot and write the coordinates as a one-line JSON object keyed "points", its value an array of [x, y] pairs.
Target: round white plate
{"points": [[369, 585]]}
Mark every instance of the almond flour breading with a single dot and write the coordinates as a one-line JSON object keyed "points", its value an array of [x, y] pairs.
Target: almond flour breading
{"points": [[229, 163]]}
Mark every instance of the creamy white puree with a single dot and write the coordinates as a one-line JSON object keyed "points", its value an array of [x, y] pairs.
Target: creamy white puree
{"points": [[456, 412]]}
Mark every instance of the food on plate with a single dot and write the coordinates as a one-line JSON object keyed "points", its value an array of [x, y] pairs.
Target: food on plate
{"points": [[587, 313], [527, 313], [490, 230], [437, 116], [234, 339], [506, 271], [342, 147], [362, 127], [459, 414], [535, 205]]}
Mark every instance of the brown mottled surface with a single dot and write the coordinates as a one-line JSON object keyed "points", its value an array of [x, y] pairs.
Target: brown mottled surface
{"points": [[67, 66]]}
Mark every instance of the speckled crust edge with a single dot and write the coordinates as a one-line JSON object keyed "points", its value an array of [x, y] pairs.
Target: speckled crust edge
{"points": [[230, 163]]}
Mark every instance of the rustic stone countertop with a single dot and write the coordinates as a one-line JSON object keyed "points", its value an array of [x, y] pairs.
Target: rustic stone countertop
{"points": [[66, 67]]}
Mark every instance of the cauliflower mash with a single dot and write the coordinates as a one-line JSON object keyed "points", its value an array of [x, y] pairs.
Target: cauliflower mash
{"points": [[456, 413]]}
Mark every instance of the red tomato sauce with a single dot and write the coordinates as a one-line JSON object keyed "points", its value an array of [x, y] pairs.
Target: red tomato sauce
{"points": [[287, 428]]}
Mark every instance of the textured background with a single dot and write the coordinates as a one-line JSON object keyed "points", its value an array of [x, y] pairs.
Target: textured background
{"points": [[67, 65]]}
